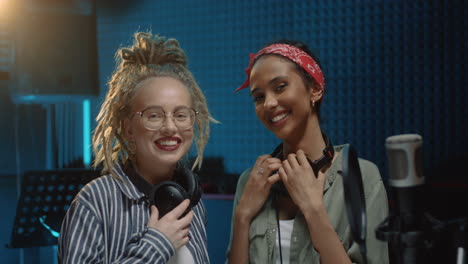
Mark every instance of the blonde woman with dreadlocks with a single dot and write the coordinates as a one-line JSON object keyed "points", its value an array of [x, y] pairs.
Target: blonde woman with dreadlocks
{"points": [[146, 207]]}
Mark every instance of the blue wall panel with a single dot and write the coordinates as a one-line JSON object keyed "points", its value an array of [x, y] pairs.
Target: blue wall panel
{"points": [[219, 227], [391, 67]]}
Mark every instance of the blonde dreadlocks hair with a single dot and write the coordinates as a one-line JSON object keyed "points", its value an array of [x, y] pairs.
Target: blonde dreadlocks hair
{"points": [[149, 56]]}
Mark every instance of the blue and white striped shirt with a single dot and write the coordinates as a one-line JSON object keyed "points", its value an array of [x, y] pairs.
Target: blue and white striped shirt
{"points": [[107, 223]]}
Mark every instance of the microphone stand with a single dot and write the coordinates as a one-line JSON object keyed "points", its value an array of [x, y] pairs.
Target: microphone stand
{"points": [[458, 228], [413, 245], [460, 243]]}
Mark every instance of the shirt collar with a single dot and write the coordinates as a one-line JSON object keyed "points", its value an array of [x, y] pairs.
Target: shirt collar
{"points": [[335, 168], [127, 187], [265, 222], [331, 173], [140, 183]]}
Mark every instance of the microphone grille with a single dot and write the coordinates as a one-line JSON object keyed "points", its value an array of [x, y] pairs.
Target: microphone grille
{"points": [[405, 160], [398, 164], [405, 138]]}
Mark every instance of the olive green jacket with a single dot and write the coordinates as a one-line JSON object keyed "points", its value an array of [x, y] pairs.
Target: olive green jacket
{"points": [[263, 228]]}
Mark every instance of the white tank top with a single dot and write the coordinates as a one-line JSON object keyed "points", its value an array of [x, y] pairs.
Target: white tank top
{"points": [[182, 256], [286, 227]]}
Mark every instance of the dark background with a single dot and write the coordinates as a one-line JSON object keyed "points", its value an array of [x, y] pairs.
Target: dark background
{"points": [[391, 67]]}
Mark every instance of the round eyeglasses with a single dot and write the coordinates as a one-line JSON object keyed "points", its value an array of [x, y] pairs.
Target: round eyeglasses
{"points": [[154, 117]]}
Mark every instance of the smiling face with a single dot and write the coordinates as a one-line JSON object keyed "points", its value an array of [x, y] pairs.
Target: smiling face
{"points": [[282, 101], [167, 145]]}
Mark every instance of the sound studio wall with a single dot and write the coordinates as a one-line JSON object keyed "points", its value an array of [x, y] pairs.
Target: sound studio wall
{"points": [[391, 67]]}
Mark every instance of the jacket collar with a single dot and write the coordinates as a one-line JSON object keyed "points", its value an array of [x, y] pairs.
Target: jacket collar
{"points": [[335, 168], [126, 185]]}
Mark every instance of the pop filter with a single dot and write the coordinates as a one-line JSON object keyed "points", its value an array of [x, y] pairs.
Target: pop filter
{"points": [[354, 197]]}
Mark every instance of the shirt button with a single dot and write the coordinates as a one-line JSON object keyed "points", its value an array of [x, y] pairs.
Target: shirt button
{"points": [[295, 238]]}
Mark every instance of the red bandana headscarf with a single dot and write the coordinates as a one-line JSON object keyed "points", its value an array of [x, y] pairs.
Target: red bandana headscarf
{"points": [[295, 54]]}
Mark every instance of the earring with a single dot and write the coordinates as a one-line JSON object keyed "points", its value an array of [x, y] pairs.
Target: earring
{"points": [[313, 103]]}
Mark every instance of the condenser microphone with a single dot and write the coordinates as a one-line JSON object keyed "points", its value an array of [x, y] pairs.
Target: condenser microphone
{"points": [[405, 229], [406, 178]]}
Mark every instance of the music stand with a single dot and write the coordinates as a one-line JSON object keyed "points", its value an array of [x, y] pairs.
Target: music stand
{"points": [[44, 200]]}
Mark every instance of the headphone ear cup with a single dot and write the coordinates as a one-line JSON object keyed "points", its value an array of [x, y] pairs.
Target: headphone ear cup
{"points": [[196, 191], [189, 181], [168, 195]]}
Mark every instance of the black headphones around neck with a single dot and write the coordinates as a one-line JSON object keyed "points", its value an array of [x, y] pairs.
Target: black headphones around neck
{"points": [[167, 195], [279, 189], [327, 156]]}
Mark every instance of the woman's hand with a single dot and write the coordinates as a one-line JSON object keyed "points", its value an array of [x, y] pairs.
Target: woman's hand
{"points": [[175, 229], [258, 186], [305, 189]]}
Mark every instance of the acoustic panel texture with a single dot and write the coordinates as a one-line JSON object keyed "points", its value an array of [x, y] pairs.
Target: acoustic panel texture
{"points": [[391, 67]]}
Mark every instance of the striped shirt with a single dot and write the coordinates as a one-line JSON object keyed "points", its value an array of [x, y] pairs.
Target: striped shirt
{"points": [[107, 223]]}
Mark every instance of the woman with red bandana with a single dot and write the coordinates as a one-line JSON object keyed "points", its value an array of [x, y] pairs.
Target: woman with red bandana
{"points": [[289, 208]]}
